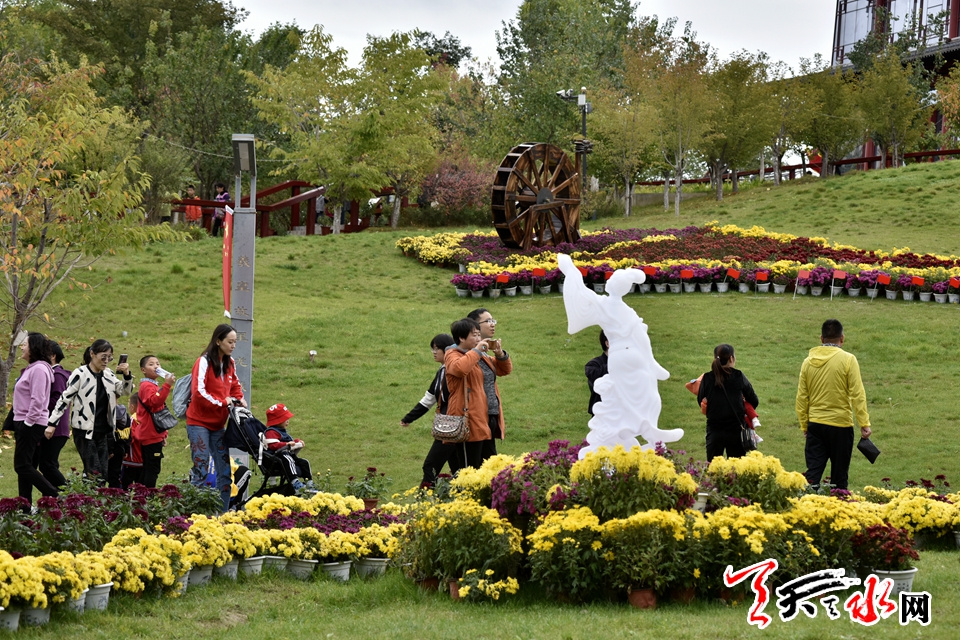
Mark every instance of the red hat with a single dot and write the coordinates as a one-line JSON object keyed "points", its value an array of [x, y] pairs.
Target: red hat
{"points": [[278, 414]]}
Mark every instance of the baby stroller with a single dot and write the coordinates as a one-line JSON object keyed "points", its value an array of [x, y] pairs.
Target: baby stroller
{"points": [[245, 432]]}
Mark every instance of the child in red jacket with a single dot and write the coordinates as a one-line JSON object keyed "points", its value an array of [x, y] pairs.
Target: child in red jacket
{"points": [[285, 446], [152, 397]]}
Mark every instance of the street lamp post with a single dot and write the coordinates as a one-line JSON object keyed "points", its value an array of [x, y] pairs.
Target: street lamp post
{"points": [[242, 264], [582, 148]]}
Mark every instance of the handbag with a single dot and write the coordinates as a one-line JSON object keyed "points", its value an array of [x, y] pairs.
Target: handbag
{"points": [[163, 420], [868, 449], [747, 434], [452, 429]]}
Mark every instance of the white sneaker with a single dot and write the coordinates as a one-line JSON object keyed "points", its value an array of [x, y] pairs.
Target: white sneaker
{"points": [[756, 423]]}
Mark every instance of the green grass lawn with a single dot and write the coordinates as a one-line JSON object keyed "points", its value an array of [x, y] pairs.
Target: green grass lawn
{"points": [[370, 313]]}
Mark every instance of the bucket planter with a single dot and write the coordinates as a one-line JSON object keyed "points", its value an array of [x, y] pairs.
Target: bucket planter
{"points": [[337, 570], [705, 287], [369, 567], [228, 570], [494, 293], [675, 288], [644, 288], [9, 619], [891, 295], [183, 582], [908, 296], [642, 598], [462, 293], [35, 617], [802, 289], [526, 289], [925, 296], [722, 287], [599, 287], [98, 597], [510, 291], [689, 287], [370, 503], [953, 298], [836, 291], [660, 288], [701, 503], [743, 287], [302, 569], [872, 293], [77, 606], [559, 287], [853, 292], [941, 298], [902, 580], [545, 289], [251, 566], [477, 294], [200, 576], [277, 563], [779, 288], [763, 287], [816, 291]]}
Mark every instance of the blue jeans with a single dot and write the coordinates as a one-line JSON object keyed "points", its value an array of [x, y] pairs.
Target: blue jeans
{"points": [[205, 444]]}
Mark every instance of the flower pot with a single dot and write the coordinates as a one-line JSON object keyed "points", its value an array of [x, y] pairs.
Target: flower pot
{"points": [[941, 298], [853, 292], [644, 288], [370, 503], [251, 566], [302, 569], [599, 287], [891, 295], [684, 596], [815, 291], [35, 617], [802, 289], [763, 287], [953, 298], [477, 294], [872, 293], [689, 287], [526, 289], [369, 567], [494, 293], [454, 589], [675, 288], [98, 597], [559, 287], [925, 296], [183, 582], [743, 287], [228, 570], [642, 598], [701, 503], [908, 296], [660, 288], [836, 291], [722, 287], [278, 563], [9, 619], [779, 288], [429, 584], [510, 291], [200, 576], [462, 293], [77, 605], [705, 287], [337, 570], [902, 580], [463, 268], [545, 289]]}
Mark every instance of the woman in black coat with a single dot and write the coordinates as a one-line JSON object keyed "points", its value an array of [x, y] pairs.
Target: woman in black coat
{"points": [[725, 389]]}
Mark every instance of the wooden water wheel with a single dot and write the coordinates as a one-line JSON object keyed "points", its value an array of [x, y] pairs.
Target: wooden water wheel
{"points": [[536, 197]]}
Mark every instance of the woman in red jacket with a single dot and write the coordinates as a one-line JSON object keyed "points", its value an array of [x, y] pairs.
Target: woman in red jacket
{"points": [[213, 389], [152, 397]]}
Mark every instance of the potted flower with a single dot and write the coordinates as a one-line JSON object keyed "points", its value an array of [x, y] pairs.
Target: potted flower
{"points": [[497, 284], [555, 276], [459, 283], [524, 280], [853, 285], [510, 286], [370, 487], [888, 552], [782, 277], [904, 284], [819, 276], [704, 277], [481, 586], [940, 291], [953, 292], [925, 289], [659, 280], [567, 555]]}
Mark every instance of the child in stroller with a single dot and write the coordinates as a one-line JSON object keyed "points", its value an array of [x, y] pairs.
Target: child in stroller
{"points": [[282, 444]]}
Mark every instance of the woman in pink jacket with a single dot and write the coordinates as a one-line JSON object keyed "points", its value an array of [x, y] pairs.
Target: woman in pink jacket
{"points": [[213, 388], [31, 397]]}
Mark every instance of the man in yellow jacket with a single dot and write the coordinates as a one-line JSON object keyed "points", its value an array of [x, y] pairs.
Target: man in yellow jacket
{"points": [[829, 394]]}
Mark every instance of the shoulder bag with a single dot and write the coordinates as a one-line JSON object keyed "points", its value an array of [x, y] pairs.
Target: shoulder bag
{"points": [[453, 429], [747, 435], [163, 420]]}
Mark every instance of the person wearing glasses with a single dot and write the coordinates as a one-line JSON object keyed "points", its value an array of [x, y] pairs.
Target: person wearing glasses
{"points": [[470, 366], [93, 390]]}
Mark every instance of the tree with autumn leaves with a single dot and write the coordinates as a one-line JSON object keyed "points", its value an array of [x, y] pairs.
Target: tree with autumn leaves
{"points": [[70, 188]]}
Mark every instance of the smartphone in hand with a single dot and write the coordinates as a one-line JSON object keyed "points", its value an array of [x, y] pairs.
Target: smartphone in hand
{"points": [[123, 359]]}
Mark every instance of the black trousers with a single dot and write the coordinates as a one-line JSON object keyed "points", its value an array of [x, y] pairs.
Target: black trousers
{"points": [[826, 442], [94, 453], [48, 459], [152, 456], [117, 452], [439, 455], [473, 454], [28, 440], [724, 440]]}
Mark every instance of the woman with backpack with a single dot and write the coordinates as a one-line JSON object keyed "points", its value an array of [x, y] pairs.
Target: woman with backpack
{"points": [[214, 387]]}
